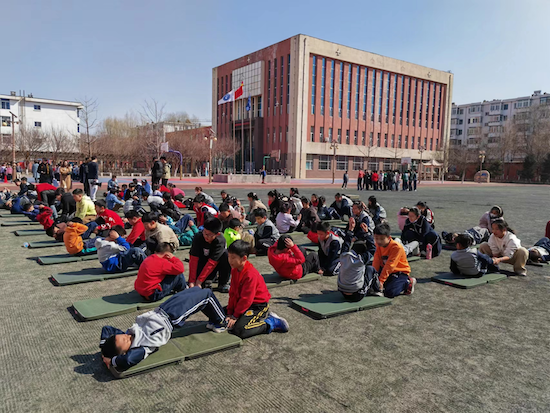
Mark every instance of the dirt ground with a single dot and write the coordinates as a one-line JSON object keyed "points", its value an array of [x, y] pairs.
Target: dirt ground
{"points": [[440, 350]]}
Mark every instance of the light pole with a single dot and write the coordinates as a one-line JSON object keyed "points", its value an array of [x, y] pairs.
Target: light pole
{"points": [[333, 146], [212, 139], [481, 159], [13, 137], [421, 150]]}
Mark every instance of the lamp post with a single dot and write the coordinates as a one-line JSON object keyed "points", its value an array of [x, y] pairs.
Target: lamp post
{"points": [[212, 139], [333, 146], [421, 150], [481, 159]]}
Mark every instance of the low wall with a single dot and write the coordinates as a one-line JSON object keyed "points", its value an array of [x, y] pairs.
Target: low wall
{"points": [[251, 179]]}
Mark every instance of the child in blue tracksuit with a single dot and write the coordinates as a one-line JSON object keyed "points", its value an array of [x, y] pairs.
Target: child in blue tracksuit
{"points": [[114, 252], [31, 211], [153, 329], [467, 261], [112, 200]]}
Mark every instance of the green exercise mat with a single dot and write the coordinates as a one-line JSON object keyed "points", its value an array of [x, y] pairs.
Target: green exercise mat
{"points": [[29, 232], [333, 304], [184, 247], [18, 223], [467, 282], [64, 258], [414, 258], [87, 275], [112, 305], [45, 244], [186, 343], [274, 280], [8, 215]]}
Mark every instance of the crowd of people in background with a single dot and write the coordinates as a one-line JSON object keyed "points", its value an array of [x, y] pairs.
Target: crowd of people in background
{"points": [[384, 180]]}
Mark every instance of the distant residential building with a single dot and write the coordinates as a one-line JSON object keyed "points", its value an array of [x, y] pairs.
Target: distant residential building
{"points": [[39, 114], [482, 125]]}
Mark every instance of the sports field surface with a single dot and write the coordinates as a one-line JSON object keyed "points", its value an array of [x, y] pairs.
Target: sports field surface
{"points": [[442, 349]]}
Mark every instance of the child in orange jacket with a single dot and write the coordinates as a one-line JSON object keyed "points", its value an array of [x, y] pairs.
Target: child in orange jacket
{"points": [[73, 239], [390, 262]]}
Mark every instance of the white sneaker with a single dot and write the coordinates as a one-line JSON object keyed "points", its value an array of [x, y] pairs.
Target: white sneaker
{"points": [[413, 284], [216, 328]]}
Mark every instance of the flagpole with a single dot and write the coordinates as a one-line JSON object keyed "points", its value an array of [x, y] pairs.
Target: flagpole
{"points": [[234, 152], [242, 136], [250, 135]]}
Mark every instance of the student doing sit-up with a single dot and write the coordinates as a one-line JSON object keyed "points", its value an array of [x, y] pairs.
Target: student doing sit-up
{"points": [[469, 262]]}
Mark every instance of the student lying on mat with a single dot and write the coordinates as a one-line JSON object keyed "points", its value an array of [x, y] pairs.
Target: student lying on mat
{"points": [[479, 235], [42, 214], [504, 246], [114, 252], [154, 328], [356, 279], [291, 261], [266, 234], [469, 262], [329, 249], [390, 262], [74, 243], [418, 229], [157, 233], [208, 257], [248, 308], [541, 251], [137, 235], [31, 211], [160, 274]]}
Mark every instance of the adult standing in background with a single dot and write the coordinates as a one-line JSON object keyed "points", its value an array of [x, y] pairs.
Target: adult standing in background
{"points": [[156, 171], [84, 176], [165, 170], [360, 178], [65, 176], [35, 174], [414, 178], [46, 172], [93, 177]]}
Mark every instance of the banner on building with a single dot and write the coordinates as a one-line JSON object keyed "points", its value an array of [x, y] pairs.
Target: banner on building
{"points": [[276, 153], [406, 161]]}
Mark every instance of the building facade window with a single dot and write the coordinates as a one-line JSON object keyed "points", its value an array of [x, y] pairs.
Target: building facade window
{"points": [[268, 86], [339, 135], [388, 98], [355, 140], [347, 136], [414, 101], [324, 162], [357, 82], [373, 98], [6, 121], [363, 138], [379, 140], [341, 89], [385, 140], [357, 163], [412, 142], [280, 134], [274, 135], [38, 124], [313, 76], [331, 96], [371, 139], [330, 134], [408, 102], [288, 84], [380, 95], [365, 86], [309, 162], [341, 163], [406, 142], [399, 141], [349, 91], [275, 103], [402, 100], [5, 104], [421, 103], [393, 140], [37, 107], [312, 134], [281, 100], [323, 70], [321, 134]]}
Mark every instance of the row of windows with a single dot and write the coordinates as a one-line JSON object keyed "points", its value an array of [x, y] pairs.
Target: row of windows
{"points": [[381, 82], [342, 163], [474, 109], [280, 135], [6, 105]]}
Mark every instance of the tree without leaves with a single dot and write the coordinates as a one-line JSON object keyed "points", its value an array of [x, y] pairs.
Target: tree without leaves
{"points": [[59, 142], [151, 132], [88, 117], [30, 142], [459, 158]]}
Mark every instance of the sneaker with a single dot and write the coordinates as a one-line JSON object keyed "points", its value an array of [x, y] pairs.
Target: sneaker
{"points": [[277, 323], [224, 288], [216, 328], [412, 283], [377, 294]]}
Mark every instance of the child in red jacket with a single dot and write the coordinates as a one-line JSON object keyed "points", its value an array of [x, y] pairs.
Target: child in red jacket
{"points": [[248, 309], [160, 274], [137, 236], [290, 261], [110, 218]]}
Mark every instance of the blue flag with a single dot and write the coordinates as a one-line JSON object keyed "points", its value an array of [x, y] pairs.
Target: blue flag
{"points": [[248, 106]]}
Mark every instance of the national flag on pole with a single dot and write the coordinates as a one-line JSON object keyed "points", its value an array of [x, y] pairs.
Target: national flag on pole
{"points": [[248, 107], [233, 95]]}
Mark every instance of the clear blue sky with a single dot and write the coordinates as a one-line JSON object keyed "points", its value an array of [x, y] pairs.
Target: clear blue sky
{"points": [[123, 52]]}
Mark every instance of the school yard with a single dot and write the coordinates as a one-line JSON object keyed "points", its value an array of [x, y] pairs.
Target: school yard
{"points": [[440, 350]]}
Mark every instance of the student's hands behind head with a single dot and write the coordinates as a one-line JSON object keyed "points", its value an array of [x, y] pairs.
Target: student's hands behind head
{"points": [[289, 243], [113, 235]]}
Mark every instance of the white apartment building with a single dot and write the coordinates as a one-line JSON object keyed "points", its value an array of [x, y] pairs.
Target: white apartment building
{"points": [[44, 115], [480, 125]]}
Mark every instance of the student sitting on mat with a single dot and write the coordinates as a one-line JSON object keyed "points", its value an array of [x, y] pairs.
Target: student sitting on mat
{"points": [[114, 252], [65, 204], [160, 274], [154, 328], [426, 213], [478, 234], [156, 233], [390, 262], [72, 237], [541, 251], [402, 216], [106, 218], [113, 203], [309, 217], [248, 308], [376, 210], [487, 218], [208, 257], [329, 249], [137, 235], [186, 237], [356, 279], [85, 208], [418, 229], [469, 262], [504, 246], [232, 232], [169, 208], [359, 216], [291, 261], [340, 206], [227, 213], [203, 210], [285, 222], [266, 234]]}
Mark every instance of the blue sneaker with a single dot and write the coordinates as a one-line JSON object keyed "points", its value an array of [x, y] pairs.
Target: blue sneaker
{"points": [[216, 328], [276, 323]]}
